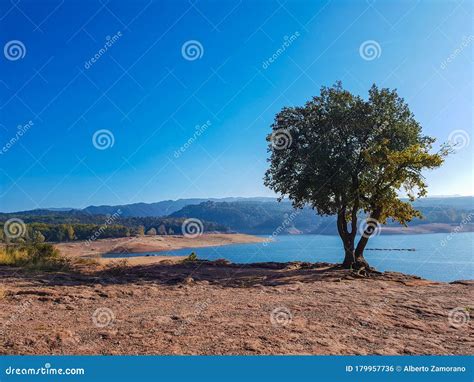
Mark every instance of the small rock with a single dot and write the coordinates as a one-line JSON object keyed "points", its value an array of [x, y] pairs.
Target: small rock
{"points": [[251, 345], [222, 262]]}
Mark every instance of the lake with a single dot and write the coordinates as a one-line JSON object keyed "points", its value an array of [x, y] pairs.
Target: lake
{"points": [[439, 256]]}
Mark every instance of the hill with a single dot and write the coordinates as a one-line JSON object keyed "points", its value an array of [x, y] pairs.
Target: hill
{"points": [[245, 215], [163, 208], [269, 217]]}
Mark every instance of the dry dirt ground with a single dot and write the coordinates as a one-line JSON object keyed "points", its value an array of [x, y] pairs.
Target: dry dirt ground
{"points": [[219, 308]]}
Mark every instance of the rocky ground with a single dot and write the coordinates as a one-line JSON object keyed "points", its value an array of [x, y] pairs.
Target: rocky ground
{"points": [[219, 308]]}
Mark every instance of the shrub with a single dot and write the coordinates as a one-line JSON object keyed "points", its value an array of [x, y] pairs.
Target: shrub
{"points": [[151, 232], [117, 267], [36, 256], [191, 257]]}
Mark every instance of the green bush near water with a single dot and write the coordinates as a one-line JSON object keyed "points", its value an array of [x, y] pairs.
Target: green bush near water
{"points": [[191, 257]]}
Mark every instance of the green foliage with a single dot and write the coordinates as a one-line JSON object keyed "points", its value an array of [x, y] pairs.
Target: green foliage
{"points": [[38, 237], [151, 232], [268, 217], [192, 257], [139, 231], [36, 256], [349, 155], [240, 216], [70, 232], [162, 230], [68, 226]]}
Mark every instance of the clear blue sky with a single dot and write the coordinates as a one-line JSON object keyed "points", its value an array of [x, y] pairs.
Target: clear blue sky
{"points": [[144, 91]]}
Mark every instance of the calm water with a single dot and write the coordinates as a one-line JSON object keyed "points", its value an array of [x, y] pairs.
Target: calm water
{"points": [[434, 258]]}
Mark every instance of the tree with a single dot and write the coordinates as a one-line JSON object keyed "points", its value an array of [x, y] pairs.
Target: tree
{"points": [[344, 156], [38, 237], [69, 233], [151, 231], [162, 230]]}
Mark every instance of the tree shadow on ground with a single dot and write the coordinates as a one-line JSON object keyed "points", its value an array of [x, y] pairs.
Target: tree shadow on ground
{"points": [[219, 273]]}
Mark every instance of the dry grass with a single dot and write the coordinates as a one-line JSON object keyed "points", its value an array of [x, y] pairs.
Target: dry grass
{"points": [[36, 256]]}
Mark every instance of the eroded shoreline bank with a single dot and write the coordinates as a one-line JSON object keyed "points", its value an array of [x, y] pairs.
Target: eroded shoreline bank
{"points": [[144, 244]]}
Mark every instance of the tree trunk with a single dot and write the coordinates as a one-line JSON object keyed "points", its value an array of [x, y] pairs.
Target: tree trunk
{"points": [[347, 240], [359, 251], [349, 258]]}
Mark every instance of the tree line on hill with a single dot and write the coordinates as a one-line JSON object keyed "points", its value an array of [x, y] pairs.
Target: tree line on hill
{"points": [[266, 217], [60, 227], [246, 216]]}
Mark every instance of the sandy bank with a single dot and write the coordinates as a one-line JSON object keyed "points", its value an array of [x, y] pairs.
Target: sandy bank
{"points": [[157, 243]]}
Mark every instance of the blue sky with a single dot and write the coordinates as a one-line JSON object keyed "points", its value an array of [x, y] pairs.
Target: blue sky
{"points": [[151, 96]]}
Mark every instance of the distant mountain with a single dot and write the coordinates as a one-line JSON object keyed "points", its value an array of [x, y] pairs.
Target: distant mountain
{"points": [[269, 217], [260, 217], [59, 209], [461, 202], [45, 212], [245, 216], [249, 215], [163, 208]]}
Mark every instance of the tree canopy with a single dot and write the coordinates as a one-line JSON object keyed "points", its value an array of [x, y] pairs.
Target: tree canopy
{"points": [[343, 155]]}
